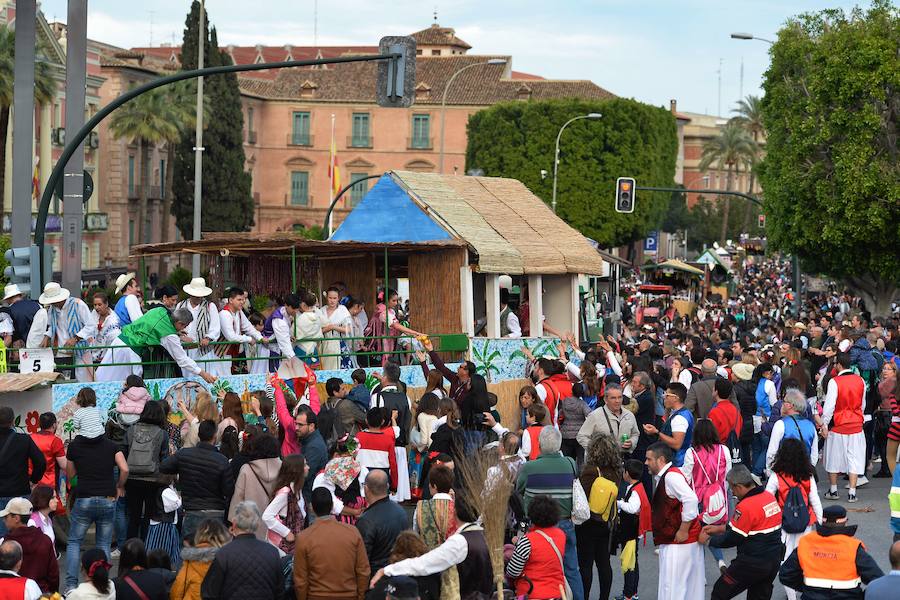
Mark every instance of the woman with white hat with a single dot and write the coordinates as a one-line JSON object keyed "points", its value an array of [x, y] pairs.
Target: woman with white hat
{"points": [[206, 326], [128, 308]]}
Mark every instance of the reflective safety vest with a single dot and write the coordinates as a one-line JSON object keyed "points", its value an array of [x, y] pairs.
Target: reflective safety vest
{"points": [[829, 562]]}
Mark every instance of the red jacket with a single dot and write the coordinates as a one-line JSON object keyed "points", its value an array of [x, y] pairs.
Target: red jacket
{"points": [[376, 450], [557, 387], [38, 557], [726, 417]]}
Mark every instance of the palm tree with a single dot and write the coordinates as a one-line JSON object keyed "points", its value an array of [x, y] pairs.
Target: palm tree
{"points": [[44, 90], [748, 115], [148, 120], [731, 149]]}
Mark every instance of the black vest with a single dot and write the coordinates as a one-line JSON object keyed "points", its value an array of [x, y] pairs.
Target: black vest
{"points": [[476, 575], [22, 314], [628, 523]]}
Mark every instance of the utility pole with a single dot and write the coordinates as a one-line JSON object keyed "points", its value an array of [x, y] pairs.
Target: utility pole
{"points": [[73, 177], [198, 141], [23, 124]]}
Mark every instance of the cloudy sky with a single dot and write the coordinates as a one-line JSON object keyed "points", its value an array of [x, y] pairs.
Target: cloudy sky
{"points": [[651, 50]]}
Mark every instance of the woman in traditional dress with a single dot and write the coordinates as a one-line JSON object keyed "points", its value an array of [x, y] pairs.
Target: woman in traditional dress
{"points": [[100, 330], [336, 324], [384, 328]]}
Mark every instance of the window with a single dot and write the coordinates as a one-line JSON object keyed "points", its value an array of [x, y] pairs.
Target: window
{"points": [[421, 130], [131, 176], [435, 52], [162, 178], [251, 133], [131, 232], [360, 137], [300, 129], [359, 188], [299, 188]]}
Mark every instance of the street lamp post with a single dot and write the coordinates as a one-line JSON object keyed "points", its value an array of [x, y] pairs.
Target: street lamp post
{"points": [[556, 152], [198, 145], [493, 61], [749, 36]]}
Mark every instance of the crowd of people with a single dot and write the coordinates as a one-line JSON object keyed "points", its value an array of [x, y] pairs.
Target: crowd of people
{"points": [[700, 433]]}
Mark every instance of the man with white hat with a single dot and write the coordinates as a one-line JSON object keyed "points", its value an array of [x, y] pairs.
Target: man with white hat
{"points": [[206, 326], [128, 308], [21, 311], [66, 316]]}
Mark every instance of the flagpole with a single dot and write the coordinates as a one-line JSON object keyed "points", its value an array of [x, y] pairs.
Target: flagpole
{"points": [[331, 170]]}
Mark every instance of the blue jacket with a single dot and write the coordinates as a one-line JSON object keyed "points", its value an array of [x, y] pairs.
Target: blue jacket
{"points": [[763, 407], [861, 355], [884, 588], [360, 396]]}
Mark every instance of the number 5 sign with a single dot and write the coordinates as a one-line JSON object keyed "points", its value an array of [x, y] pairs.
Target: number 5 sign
{"points": [[36, 360]]}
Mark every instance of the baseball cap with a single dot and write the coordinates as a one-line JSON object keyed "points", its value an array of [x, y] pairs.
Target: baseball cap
{"points": [[17, 506], [401, 586]]}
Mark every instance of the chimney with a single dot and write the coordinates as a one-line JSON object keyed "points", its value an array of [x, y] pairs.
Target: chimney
{"points": [[673, 106]]}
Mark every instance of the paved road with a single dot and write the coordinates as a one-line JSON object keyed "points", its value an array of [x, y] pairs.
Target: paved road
{"points": [[874, 530]]}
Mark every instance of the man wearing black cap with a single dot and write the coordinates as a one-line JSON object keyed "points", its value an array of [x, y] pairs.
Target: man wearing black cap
{"points": [[401, 587], [830, 563]]}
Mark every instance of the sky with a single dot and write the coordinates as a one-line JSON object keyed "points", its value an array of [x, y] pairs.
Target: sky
{"points": [[650, 50]]}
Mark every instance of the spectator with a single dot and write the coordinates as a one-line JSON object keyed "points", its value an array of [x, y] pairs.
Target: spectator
{"points": [[286, 513], [793, 424], [51, 446], [312, 445], [204, 477], [724, 414], [210, 535], [349, 418], [645, 413], [98, 586], [702, 396], [343, 476], [466, 549], [536, 565], [552, 473], [87, 420], [256, 480], [401, 587], [135, 581], [148, 445], [245, 568], [13, 585], [159, 561], [885, 587], [573, 411], [381, 522], [435, 519], [38, 555], [679, 427], [360, 394], [376, 446], [16, 450], [330, 557], [611, 420], [93, 461], [44, 503]]}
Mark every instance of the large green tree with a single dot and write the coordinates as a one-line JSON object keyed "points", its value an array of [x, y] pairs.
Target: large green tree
{"points": [[517, 139], [227, 200], [831, 173]]}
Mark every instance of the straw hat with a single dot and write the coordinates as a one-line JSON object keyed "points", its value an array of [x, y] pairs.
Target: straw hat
{"points": [[197, 288], [53, 293], [10, 291], [123, 280], [800, 325], [743, 371]]}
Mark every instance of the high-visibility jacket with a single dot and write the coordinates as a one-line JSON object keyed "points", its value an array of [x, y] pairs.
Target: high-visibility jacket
{"points": [[829, 562], [848, 415]]}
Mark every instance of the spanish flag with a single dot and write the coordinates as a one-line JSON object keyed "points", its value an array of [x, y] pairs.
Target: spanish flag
{"points": [[334, 172]]}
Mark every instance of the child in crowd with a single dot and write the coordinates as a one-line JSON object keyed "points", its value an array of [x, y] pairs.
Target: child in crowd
{"points": [[286, 513], [132, 399], [159, 561], [97, 585], [360, 393], [259, 351], [376, 445], [163, 532], [535, 416], [87, 420], [634, 521]]}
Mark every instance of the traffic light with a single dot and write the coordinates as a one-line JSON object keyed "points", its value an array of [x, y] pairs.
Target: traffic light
{"points": [[625, 195], [24, 268], [396, 77], [762, 221]]}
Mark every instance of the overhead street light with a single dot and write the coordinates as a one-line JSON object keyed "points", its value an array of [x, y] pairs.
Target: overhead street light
{"points": [[749, 36], [556, 152], [492, 61]]}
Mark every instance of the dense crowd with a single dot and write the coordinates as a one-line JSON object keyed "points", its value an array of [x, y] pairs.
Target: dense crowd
{"points": [[700, 432]]}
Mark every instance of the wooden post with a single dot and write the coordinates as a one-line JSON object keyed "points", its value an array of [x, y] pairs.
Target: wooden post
{"points": [[492, 300], [536, 305]]}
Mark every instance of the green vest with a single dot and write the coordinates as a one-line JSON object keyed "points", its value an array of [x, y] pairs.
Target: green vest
{"points": [[148, 330], [504, 325]]}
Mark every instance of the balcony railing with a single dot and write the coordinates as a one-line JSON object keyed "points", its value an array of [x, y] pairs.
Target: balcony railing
{"points": [[299, 139], [251, 137], [292, 200], [359, 141], [154, 192], [419, 143]]}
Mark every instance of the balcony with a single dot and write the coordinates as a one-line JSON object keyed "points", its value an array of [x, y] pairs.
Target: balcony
{"points": [[154, 192], [251, 137], [305, 201], [358, 141], [419, 143], [299, 139]]}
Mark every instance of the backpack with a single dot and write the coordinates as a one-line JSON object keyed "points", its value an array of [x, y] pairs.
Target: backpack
{"points": [[602, 499], [327, 423], [143, 455], [795, 512], [695, 374], [733, 443], [712, 499]]}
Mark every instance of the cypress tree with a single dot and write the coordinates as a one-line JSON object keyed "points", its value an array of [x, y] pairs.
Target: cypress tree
{"points": [[227, 200]]}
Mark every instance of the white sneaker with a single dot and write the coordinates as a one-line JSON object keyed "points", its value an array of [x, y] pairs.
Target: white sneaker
{"points": [[860, 481], [115, 553]]}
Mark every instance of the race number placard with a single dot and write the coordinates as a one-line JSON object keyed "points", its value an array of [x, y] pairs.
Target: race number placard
{"points": [[36, 360]]}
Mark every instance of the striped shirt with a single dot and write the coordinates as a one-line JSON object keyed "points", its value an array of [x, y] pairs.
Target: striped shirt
{"points": [[551, 474]]}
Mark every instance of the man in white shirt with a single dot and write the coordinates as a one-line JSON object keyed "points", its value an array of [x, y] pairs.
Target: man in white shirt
{"points": [[205, 326], [12, 585], [793, 411], [509, 321], [128, 308], [676, 529], [845, 443], [66, 316], [234, 327]]}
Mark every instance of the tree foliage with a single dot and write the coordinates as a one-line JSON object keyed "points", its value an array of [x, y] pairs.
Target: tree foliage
{"points": [[831, 174], [227, 200], [517, 140]]}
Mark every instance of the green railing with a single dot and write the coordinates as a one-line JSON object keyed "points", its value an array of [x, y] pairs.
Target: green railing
{"points": [[447, 342]]}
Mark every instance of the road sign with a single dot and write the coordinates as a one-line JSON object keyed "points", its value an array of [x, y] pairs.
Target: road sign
{"points": [[651, 242]]}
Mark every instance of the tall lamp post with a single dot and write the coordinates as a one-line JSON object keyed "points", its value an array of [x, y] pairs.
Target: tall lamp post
{"points": [[556, 152], [493, 61], [198, 145], [795, 261]]}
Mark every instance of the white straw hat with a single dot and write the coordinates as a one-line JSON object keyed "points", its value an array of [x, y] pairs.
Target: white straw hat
{"points": [[197, 288], [11, 291], [123, 280], [53, 293]]}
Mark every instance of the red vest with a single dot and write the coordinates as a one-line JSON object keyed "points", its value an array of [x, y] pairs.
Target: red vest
{"points": [[785, 482], [12, 588], [848, 416], [533, 432], [543, 568], [666, 514], [557, 388]]}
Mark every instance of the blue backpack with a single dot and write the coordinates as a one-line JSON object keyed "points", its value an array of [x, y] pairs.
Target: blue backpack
{"points": [[795, 512]]}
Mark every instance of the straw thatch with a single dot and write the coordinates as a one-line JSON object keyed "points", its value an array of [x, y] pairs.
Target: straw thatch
{"points": [[511, 230], [434, 286]]}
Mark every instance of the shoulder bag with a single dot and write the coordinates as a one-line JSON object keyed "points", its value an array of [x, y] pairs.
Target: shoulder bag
{"points": [[567, 592]]}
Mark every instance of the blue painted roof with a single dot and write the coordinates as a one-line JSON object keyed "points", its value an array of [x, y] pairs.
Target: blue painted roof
{"points": [[388, 214]]}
